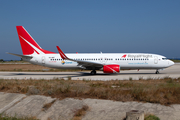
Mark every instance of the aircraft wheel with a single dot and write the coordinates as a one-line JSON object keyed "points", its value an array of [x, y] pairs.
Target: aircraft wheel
{"points": [[93, 72], [157, 72]]}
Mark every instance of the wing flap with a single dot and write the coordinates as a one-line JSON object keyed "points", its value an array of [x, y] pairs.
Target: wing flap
{"points": [[88, 63]]}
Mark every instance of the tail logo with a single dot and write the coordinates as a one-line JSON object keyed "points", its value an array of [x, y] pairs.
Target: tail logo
{"points": [[28, 44], [35, 48]]}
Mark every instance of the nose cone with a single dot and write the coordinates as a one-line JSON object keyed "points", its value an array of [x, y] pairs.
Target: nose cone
{"points": [[171, 63]]}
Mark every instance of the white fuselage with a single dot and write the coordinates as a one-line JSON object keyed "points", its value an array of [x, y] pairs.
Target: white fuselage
{"points": [[125, 60], [107, 62]]}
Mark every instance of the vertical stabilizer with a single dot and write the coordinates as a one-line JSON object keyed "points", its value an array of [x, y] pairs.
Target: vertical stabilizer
{"points": [[28, 44]]}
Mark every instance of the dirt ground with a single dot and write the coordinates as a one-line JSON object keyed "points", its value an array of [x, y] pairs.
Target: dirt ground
{"points": [[31, 68], [22, 67]]}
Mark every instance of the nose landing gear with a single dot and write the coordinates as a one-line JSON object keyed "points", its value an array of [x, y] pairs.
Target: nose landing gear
{"points": [[157, 72]]}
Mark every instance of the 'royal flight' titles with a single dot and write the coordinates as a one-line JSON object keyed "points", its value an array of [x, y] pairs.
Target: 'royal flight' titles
{"points": [[139, 56]]}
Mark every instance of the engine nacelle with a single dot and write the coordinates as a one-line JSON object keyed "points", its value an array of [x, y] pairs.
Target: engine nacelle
{"points": [[111, 68]]}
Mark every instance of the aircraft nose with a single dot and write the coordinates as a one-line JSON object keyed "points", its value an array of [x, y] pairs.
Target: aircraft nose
{"points": [[171, 63]]}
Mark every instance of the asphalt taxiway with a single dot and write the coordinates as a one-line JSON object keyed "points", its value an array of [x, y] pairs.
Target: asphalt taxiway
{"points": [[173, 72]]}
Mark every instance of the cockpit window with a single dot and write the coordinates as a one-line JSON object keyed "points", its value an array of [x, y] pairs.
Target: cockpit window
{"points": [[164, 59]]}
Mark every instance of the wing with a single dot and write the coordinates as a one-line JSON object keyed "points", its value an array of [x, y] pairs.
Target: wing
{"points": [[82, 63]]}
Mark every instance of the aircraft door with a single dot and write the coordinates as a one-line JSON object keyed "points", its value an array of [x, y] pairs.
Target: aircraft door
{"points": [[43, 60], [155, 60]]}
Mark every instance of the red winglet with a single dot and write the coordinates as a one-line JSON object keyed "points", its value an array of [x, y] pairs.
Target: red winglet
{"points": [[63, 56]]}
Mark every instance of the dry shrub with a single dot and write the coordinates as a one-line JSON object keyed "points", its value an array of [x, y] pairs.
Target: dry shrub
{"points": [[32, 90], [48, 105], [165, 91], [80, 112]]}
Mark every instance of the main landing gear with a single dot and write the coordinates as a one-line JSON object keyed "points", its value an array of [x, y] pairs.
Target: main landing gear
{"points": [[157, 72], [93, 72]]}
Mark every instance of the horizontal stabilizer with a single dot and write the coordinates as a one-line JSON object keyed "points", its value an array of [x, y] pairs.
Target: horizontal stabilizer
{"points": [[22, 56]]}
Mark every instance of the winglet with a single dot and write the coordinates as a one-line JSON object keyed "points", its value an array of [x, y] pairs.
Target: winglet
{"points": [[63, 56]]}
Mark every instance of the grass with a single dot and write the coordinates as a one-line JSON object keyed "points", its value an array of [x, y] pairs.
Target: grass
{"points": [[5, 117], [164, 91], [13, 61], [151, 117], [176, 60]]}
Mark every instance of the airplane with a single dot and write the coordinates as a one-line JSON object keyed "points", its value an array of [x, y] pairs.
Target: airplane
{"points": [[106, 62]]}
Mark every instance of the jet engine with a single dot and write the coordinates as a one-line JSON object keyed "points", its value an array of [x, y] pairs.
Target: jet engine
{"points": [[111, 68]]}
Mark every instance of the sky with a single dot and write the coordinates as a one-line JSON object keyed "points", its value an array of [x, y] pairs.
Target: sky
{"points": [[91, 26]]}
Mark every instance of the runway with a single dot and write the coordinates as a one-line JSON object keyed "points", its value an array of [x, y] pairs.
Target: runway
{"points": [[173, 72]]}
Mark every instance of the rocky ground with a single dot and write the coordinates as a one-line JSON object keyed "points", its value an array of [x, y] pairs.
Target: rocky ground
{"points": [[45, 108]]}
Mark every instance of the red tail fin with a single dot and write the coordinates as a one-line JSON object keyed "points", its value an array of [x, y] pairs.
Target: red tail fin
{"points": [[28, 44]]}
